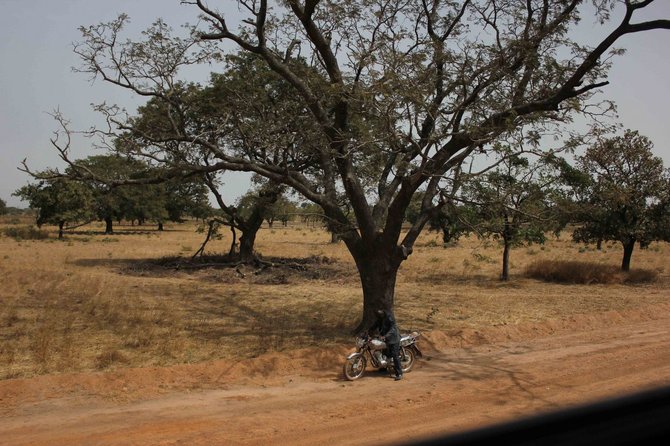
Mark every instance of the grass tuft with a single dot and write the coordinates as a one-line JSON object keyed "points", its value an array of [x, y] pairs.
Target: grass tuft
{"points": [[108, 358]]}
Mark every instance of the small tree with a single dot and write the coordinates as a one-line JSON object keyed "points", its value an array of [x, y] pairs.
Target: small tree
{"points": [[511, 204], [58, 202], [3, 207], [628, 194], [247, 216], [252, 209]]}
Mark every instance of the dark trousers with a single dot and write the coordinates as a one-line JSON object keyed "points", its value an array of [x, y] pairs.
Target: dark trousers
{"points": [[393, 351]]}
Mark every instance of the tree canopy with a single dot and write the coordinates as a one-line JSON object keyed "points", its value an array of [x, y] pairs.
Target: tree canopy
{"points": [[58, 202], [627, 197]]}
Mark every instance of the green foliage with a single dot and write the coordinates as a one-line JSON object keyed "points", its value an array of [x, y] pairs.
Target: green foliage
{"points": [[3, 207], [283, 210], [187, 197], [145, 202], [453, 220], [170, 199], [270, 206], [58, 201], [623, 194]]}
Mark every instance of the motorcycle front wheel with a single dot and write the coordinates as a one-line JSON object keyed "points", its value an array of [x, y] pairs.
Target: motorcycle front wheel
{"points": [[406, 359], [354, 367]]}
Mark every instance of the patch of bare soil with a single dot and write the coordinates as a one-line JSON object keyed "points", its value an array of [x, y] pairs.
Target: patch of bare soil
{"points": [[465, 379]]}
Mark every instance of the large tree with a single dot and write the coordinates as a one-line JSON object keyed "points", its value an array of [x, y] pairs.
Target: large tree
{"points": [[394, 94], [628, 198]]}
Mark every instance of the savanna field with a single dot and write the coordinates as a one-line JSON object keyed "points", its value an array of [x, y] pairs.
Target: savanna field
{"points": [[95, 302]]}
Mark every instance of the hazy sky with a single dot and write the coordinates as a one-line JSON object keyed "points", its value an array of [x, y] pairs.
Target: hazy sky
{"points": [[36, 78]]}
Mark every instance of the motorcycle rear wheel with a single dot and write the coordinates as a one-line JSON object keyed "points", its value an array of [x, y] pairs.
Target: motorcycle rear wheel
{"points": [[354, 367]]}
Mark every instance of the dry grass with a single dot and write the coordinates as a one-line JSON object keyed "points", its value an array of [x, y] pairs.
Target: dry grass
{"points": [[572, 271], [95, 302], [20, 233]]}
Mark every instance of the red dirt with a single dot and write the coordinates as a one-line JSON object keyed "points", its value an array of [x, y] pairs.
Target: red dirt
{"points": [[466, 379]]}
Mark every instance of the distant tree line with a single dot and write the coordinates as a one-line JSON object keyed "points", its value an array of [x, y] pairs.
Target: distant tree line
{"points": [[617, 191], [66, 203]]}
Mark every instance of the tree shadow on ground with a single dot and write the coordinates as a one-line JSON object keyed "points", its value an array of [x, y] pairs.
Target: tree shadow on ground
{"points": [[226, 269], [474, 365], [470, 279]]}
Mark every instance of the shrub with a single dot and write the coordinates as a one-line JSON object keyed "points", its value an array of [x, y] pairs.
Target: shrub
{"points": [[25, 233], [586, 273]]}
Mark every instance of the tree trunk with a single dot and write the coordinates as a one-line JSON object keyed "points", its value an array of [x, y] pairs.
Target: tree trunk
{"points": [[160, 225], [446, 235], [507, 242], [504, 276], [378, 279], [233, 244], [212, 225], [377, 265], [247, 240], [60, 229], [108, 225], [628, 246]]}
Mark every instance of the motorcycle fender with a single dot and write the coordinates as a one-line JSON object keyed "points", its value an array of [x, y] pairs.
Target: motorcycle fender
{"points": [[353, 355]]}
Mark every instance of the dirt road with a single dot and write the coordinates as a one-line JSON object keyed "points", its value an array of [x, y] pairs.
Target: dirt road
{"points": [[298, 398]]}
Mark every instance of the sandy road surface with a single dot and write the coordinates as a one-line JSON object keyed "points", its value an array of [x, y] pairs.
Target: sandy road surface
{"points": [[450, 390]]}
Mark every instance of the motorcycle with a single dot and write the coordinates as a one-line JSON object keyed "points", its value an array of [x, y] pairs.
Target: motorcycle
{"points": [[373, 350]]}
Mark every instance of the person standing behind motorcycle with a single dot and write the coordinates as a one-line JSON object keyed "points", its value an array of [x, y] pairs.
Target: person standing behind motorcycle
{"points": [[387, 328]]}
